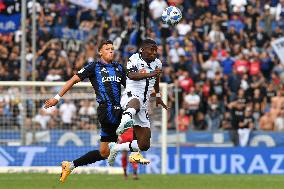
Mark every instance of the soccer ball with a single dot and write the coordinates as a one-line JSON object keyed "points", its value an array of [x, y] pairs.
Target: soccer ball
{"points": [[171, 15]]}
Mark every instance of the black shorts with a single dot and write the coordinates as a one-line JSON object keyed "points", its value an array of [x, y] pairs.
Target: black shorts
{"points": [[109, 117]]}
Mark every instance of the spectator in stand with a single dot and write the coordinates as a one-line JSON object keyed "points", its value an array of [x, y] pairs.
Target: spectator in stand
{"points": [[227, 64], [52, 114], [245, 127], [219, 51], [254, 67], [174, 55], [168, 75], [257, 113], [245, 83], [214, 113], [183, 121], [211, 66], [87, 112], [266, 122], [200, 122], [237, 114], [238, 5], [191, 102], [67, 112], [226, 121], [156, 8], [269, 93], [216, 35], [41, 120], [258, 98], [279, 121], [266, 65], [217, 87], [241, 64], [205, 53], [236, 22], [183, 28], [185, 82]]}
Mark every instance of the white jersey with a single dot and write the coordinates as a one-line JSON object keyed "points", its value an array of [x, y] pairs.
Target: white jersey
{"points": [[142, 88]]}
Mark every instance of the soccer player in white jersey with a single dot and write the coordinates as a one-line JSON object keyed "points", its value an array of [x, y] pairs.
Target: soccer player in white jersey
{"points": [[143, 71]]}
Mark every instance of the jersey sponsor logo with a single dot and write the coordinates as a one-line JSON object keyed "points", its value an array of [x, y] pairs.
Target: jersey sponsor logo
{"points": [[111, 78]]}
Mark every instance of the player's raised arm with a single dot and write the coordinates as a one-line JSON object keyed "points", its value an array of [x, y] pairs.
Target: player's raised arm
{"points": [[66, 87]]}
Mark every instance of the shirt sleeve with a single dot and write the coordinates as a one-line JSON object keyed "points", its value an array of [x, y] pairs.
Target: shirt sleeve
{"points": [[87, 71], [122, 69], [159, 64]]}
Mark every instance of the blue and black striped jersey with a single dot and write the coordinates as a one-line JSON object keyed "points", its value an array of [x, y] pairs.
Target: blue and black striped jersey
{"points": [[106, 79]]}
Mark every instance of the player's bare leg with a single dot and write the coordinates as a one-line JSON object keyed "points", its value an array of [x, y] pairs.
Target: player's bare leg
{"points": [[88, 158], [143, 135], [127, 121]]}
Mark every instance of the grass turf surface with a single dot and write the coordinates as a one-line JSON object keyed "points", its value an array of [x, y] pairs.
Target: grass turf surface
{"points": [[50, 181]]}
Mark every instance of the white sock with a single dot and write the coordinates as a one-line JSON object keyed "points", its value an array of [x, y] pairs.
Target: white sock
{"points": [[129, 113], [134, 146], [125, 146], [72, 165]]}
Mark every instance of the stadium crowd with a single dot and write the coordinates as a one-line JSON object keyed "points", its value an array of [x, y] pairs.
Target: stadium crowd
{"points": [[220, 56]]}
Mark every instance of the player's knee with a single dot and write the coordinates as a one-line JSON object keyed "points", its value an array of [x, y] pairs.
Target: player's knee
{"points": [[144, 147], [134, 103], [104, 153]]}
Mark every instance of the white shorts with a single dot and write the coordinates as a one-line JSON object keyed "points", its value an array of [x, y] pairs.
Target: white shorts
{"points": [[141, 118]]}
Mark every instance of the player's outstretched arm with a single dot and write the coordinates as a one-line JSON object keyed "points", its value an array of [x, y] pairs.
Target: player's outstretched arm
{"points": [[66, 87], [136, 76]]}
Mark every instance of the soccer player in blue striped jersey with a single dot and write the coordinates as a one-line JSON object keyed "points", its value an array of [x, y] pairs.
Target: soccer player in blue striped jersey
{"points": [[106, 77]]}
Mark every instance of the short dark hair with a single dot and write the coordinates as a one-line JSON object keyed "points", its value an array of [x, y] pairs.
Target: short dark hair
{"points": [[148, 42], [104, 42]]}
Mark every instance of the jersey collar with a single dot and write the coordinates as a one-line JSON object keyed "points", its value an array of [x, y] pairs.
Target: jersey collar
{"points": [[100, 61]]}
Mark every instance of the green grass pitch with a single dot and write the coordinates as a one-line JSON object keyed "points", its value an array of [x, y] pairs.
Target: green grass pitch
{"points": [[50, 181]]}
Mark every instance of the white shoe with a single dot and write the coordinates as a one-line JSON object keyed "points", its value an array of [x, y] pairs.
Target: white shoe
{"points": [[124, 125], [112, 153]]}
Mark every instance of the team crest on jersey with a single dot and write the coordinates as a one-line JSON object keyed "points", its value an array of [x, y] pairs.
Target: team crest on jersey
{"points": [[104, 70]]}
